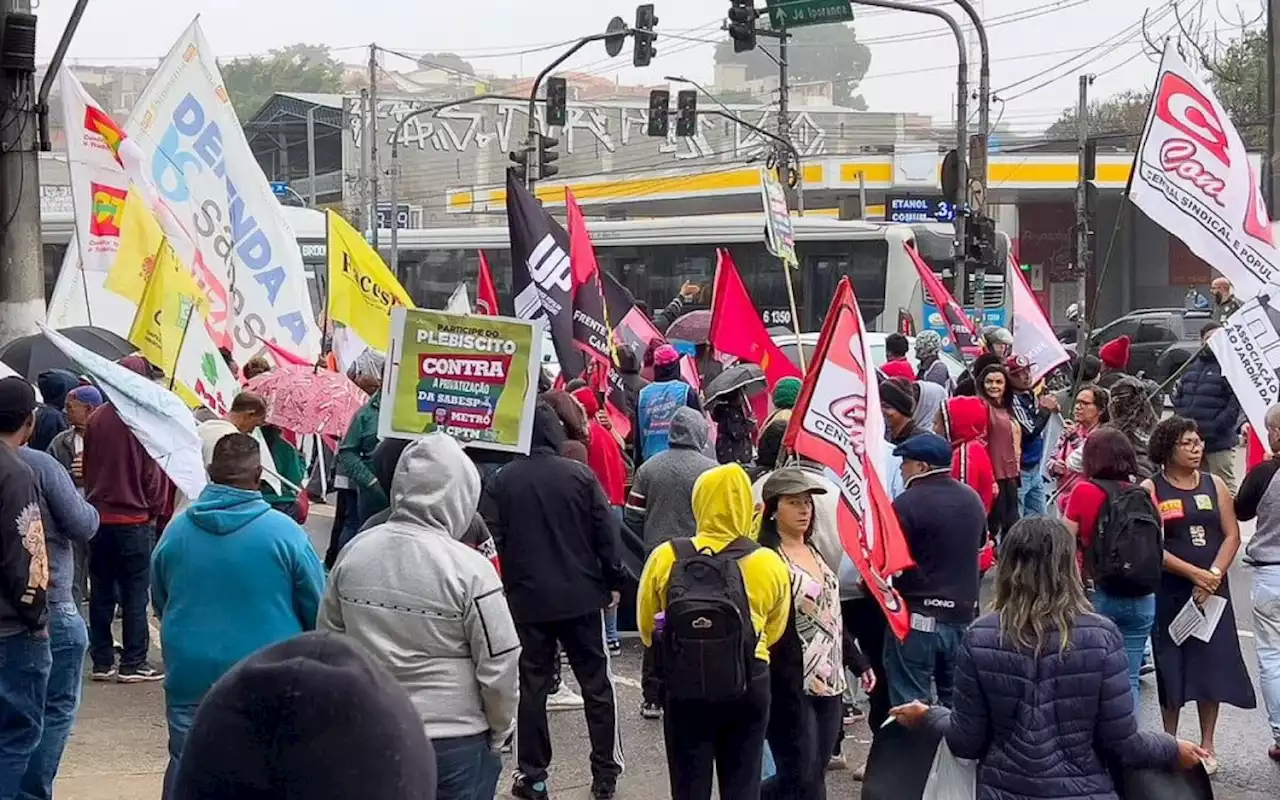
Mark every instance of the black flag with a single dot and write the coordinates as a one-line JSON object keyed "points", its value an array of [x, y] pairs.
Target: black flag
{"points": [[541, 275]]}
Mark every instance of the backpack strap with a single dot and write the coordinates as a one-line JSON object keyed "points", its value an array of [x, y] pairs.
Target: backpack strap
{"points": [[683, 548], [742, 546]]}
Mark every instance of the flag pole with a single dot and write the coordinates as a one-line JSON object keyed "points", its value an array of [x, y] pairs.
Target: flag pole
{"points": [[182, 340], [795, 318]]}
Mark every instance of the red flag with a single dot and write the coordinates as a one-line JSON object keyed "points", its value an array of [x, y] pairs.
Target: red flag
{"points": [[486, 291], [736, 327], [283, 356], [1033, 336], [963, 333], [838, 423], [592, 332]]}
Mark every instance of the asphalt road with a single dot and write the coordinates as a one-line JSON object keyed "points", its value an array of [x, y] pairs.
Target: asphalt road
{"points": [[118, 748]]}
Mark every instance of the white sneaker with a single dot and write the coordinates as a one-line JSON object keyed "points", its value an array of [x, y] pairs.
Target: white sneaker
{"points": [[564, 700]]}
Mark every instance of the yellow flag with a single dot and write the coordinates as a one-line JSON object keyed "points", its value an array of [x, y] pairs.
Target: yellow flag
{"points": [[362, 290], [140, 240], [171, 298]]}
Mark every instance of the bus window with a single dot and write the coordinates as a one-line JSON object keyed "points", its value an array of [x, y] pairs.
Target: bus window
{"points": [[430, 276], [865, 262]]}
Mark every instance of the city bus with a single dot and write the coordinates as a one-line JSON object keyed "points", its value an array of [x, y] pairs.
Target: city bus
{"points": [[653, 258]]}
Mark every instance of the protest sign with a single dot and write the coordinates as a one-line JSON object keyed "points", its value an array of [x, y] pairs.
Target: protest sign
{"points": [[1248, 352], [475, 378]]}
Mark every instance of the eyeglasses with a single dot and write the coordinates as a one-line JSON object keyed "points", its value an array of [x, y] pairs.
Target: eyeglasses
{"points": [[1191, 444], [1085, 403]]}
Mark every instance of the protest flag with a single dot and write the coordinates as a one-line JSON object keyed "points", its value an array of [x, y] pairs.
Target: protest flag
{"points": [[1033, 336], [838, 423], [458, 302], [736, 327], [486, 290], [1247, 347], [964, 335], [591, 329], [362, 289]]}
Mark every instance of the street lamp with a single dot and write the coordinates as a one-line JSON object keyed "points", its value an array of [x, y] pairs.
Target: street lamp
{"points": [[728, 114]]}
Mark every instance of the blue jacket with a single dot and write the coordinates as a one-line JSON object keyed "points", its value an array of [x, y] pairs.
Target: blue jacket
{"points": [[1046, 727], [1205, 396], [229, 577], [944, 524], [67, 516], [655, 408]]}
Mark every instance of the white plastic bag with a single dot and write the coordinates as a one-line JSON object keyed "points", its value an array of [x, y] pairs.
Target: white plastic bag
{"points": [[951, 778]]}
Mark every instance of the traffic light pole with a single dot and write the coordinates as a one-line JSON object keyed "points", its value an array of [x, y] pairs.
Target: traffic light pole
{"points": [[395, 161], [962, 110], [784, 120], [531, 140]]}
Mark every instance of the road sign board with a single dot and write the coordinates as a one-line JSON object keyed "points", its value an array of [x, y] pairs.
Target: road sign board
{"points": [[918, 208], [799, 13]]}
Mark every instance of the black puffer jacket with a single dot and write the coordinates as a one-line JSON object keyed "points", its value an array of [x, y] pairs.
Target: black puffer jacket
{"points": [[1047, 726], [557, 537], [1205, 397]]}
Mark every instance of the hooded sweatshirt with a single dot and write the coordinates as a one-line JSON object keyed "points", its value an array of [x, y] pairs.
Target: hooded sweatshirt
{"points": [[967, 421], [67, 518], [229, 577], [604, 454], [660, 506], [929, 399], [428, 607], [121, 479], [556, 534], [51, 418], [724, 510]]}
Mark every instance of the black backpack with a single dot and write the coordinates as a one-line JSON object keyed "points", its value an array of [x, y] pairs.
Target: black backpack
{"points": [[708, 639], [1126, 558]]}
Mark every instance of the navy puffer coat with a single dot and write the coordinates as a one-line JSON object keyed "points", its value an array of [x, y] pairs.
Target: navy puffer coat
{"points": [[1205, 397], [1045, 728]]}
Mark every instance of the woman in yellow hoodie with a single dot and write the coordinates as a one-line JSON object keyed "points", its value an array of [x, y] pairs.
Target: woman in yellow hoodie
{"points": [[727, 735]]}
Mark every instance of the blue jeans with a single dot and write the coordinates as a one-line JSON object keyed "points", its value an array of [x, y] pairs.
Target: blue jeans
{"points": [[120, 564], [25, 661], [68, 641], [913, 667], [1266, 627], [466, 768], [1135, 617], [179, 718], [1031, 493]]}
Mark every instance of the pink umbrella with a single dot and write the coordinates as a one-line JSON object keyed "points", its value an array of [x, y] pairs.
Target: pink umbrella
{"points": [[309, 400]]}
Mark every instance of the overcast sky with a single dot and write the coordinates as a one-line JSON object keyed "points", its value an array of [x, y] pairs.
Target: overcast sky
{"points": [[909, 72]]}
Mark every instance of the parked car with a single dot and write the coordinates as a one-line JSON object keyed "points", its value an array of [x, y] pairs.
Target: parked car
{"points": [[787, 343], [1161, 339]]}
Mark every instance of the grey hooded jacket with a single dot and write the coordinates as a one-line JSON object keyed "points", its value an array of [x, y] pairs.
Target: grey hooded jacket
{"points": [[660, 505], [427, 606]]}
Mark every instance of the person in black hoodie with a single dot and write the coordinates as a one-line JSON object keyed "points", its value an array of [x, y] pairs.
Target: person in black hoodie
{"points": [[51, 417], [558, 542], [313, 716], [944, 523]]}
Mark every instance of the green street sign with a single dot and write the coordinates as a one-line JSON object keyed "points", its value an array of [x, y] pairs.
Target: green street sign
{"points": [[799, 13]]}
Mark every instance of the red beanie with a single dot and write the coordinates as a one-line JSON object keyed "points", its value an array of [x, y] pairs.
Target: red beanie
{"points": [[1115, 353]]}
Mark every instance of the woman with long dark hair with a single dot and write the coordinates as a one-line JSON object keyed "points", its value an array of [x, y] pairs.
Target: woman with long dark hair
{"points": [[807, 664], [1004, 445], [1055, 736], [1201, 537]]}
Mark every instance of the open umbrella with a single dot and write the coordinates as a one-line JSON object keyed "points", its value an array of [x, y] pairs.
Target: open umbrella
{"points": [[740, 376], [309, 400], [31, 355], [692, 327]]}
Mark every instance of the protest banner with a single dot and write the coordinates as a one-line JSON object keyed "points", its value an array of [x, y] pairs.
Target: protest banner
{"points": [[1248, 352], [362, 289], [1033, 336], [474, 378], [1193, 178]]}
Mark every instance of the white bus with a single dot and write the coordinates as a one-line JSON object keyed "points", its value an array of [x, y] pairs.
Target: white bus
{"points": [[654, 257]]}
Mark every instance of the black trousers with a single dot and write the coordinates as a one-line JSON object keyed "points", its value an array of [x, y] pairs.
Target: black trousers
{"points": [[864, 619], [583, 641], [826, 717], [651, 678], [790, 736], [726, 737], [1004, 513]]}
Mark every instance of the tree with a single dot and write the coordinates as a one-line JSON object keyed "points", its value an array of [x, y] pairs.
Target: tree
{"points": [[449, 62], [815, 53], [250, 82], [1123, 113]]}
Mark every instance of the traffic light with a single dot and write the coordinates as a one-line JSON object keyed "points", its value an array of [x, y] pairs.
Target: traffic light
{"points": [[520, 158], [659, 113], [980, 247], [742, 25], [687, 113], [557, 102], [645, 37], [546, 155]]}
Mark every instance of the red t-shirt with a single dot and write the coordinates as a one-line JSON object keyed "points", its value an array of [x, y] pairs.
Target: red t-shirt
{"points": [[1084, 506], [898, 368]]}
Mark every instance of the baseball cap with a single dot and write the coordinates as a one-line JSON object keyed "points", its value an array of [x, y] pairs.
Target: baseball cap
{"points": [[790, 480], [1017, 363]]}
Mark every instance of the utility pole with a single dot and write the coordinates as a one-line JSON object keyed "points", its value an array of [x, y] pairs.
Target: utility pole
{"points": [[784, 113], [21, 253], [1272, 166], [372, 133], [362, 180], [1082, 212]]}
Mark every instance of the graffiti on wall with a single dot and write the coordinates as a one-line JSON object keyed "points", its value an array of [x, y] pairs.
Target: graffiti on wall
{"points": [[597, 129]]}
